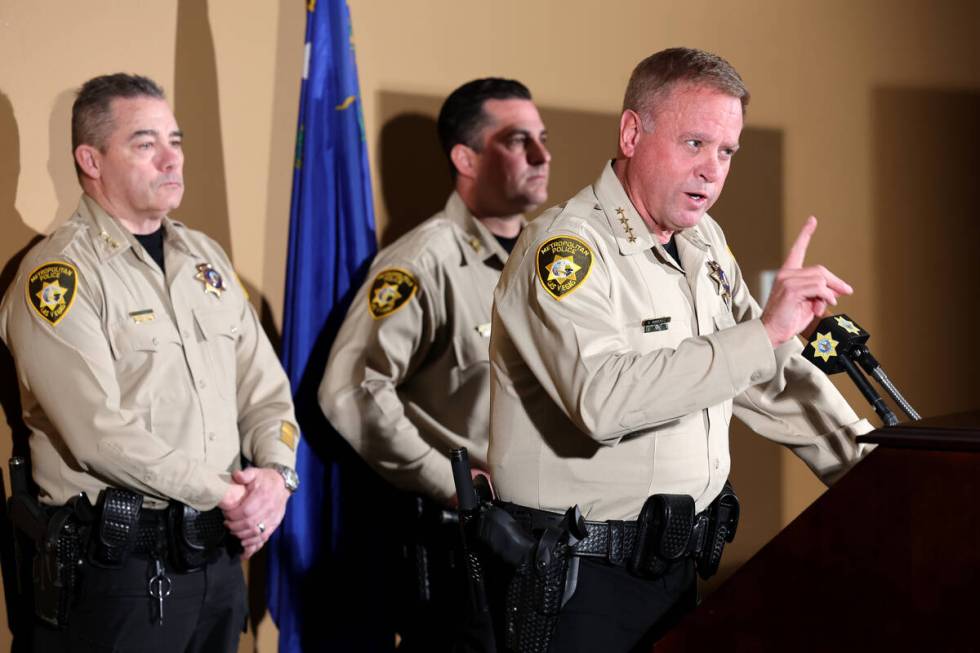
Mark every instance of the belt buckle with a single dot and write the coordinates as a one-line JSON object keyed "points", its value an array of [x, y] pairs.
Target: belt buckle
{"points": [[615, 540]]}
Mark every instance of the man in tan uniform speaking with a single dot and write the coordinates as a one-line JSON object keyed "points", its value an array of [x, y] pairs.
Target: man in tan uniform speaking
{"points": [[408, 376], [624, 337], [145, 377]]}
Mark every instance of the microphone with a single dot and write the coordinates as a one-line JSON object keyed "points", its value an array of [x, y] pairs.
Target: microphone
{"points": [[837, 343]]}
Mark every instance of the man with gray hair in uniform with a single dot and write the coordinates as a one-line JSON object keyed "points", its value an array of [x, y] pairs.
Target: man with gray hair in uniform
{"points": [[408, 378], [145, 379], [624, 338]]}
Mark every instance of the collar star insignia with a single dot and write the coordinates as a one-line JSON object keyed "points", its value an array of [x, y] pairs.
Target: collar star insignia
{"points": [[210, 279], [562, 269], [847, 325], [625, 221], [824, 346], [475, 244]]}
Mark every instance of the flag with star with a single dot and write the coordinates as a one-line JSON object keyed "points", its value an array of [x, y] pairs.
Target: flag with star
{"points": [[320, 590]]}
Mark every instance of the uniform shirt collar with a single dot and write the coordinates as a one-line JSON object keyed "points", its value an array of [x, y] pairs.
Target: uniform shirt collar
{"points": [[111, 238], [476, 238], [631, 232]]}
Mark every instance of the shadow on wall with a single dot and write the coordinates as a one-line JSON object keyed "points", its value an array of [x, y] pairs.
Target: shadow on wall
{"points": [[17, 239], [195, 98], [927, 158], [415, 180], [61, 159]]}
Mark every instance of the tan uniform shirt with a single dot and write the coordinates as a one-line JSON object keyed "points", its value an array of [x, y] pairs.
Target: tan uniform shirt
{"points": [[136, 380], [618, 379], [408, 376]]}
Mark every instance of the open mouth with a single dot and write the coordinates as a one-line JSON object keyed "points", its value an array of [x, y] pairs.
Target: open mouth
{"points": [[697, 197]]}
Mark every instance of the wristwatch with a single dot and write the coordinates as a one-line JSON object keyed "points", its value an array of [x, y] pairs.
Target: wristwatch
{"points": [[289, 476]]}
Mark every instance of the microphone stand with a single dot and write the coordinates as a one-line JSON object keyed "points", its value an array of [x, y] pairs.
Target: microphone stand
{"points": [[872, 367], [886, 414]]}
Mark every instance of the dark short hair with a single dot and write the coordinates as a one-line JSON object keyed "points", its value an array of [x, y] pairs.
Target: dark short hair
{"points": [[91, 114], [461, 117], [655, 76]]}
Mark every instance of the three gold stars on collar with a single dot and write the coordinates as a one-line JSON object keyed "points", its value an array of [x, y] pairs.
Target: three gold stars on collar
{"points": [[630, 236]]}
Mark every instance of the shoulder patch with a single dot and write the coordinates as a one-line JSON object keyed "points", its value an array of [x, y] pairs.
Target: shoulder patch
{"points": [[563, 264], [51, 289], [391, 289]]}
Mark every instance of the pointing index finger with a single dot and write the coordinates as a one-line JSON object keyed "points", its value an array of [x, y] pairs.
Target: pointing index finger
{"points": [[794, 260]]}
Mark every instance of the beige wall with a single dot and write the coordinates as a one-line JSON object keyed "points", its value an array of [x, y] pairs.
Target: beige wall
{"points": [[232, 70]]}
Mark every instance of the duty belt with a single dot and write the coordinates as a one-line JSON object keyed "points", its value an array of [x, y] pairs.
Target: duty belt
{"points": [[612, 540]]}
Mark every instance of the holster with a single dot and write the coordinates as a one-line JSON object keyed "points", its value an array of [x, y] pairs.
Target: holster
{"points": [[195, 537], [722, 523], [57, 558], [542, 585], [114, 535]]}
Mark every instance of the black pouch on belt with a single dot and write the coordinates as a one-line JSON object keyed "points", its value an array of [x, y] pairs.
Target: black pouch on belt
{"points": [[114, 534], [195, 536], [663, 533]]}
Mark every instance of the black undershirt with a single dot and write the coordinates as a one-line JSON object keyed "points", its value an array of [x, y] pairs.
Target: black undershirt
{"points": [[153, 244], [507, 243], [671, 247]]}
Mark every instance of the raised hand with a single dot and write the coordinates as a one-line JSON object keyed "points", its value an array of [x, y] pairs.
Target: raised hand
{"points": [[799, 293]]}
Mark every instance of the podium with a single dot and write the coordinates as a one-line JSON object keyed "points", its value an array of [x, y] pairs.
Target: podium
{"points": [[888, 559]]}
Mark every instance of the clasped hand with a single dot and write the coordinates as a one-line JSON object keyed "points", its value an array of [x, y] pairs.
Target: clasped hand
{"points": [[254, 506]]}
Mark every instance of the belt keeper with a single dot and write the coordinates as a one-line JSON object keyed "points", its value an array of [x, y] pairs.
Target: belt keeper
{"points": [[614, 544]]}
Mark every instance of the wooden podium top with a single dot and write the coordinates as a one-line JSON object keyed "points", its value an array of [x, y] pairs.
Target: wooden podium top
{"points": [[887, 559]]}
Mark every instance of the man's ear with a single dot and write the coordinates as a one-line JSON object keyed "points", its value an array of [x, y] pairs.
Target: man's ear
{"points": [[630, 130], [89, 159], [464, 159]]}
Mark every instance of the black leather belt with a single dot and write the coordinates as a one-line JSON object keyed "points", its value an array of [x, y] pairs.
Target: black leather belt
{"points": [[611, 540]]}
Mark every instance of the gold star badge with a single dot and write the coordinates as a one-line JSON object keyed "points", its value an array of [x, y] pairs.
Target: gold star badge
{"points": [[211, 279], [824, 346], [563, 269], [847, 325]]}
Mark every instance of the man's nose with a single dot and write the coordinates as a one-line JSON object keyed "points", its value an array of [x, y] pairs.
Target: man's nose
{"points": [[537, 153], [709, 168], [170, 157]]}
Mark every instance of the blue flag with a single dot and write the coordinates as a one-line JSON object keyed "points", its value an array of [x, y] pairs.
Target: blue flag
{"points": [[320, 578]]}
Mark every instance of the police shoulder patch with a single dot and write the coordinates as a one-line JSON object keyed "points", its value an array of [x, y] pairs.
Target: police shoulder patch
{"points": [[563, 264], [51, 290], [391, 289]]}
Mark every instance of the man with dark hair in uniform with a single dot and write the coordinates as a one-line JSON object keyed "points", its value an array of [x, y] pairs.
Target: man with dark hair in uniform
{"points": [[408, 376], [145, 378]]}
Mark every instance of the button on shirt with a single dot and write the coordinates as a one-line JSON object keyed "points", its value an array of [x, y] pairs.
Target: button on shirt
{"points": [[624, 386], [148, 382]]}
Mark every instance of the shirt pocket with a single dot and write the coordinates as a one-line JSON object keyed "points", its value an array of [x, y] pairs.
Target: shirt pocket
{"points": [[471, 353], [724, 320], [221, 328], [138, 340]]}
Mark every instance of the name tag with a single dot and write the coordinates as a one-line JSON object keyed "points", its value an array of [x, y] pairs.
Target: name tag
{"points": [[656, 324], [146, 315]]}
